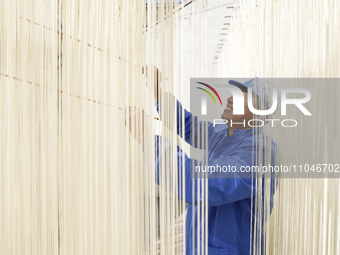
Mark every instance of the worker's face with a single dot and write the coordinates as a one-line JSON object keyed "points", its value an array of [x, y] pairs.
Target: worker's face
{"points": [[228, 111]]}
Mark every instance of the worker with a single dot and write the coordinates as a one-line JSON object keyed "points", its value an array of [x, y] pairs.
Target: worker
{"points": [[229, 199]]}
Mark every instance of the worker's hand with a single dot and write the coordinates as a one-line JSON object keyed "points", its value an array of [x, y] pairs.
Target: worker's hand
{"points": [[135, 117]]}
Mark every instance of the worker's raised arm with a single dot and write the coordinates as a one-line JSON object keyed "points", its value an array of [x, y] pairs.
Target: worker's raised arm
{"points": [[191, 129], [188, 126]]}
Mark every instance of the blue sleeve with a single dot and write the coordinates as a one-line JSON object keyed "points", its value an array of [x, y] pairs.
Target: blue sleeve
{"points": [[188, 126]]}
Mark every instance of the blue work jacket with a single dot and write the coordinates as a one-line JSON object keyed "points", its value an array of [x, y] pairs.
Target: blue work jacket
{"points": [[229, 199]]}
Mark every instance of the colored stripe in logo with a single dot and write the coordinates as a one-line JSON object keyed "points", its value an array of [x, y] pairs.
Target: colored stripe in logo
{"points": [[213, 90]]}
